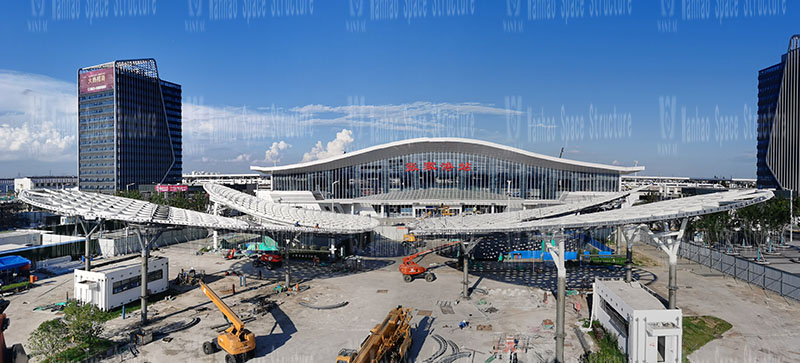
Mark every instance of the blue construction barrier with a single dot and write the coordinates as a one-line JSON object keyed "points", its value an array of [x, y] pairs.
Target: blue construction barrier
{"points": [[527, 255]]}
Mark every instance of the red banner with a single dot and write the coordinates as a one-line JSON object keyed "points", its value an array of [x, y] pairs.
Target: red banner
{"points": [[171, 188], [96, 81]]}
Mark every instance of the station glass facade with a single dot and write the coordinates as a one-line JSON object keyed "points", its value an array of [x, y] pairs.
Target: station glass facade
{"points": [[448, 170]]}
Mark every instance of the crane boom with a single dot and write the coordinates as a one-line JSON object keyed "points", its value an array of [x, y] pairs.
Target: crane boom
{"points": [[238, 325], [411, 258]]}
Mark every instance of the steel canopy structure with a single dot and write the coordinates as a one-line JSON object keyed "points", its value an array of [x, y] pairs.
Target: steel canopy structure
{"points": [[646, 213], [286, 215], [491, 220], [96, 206]]}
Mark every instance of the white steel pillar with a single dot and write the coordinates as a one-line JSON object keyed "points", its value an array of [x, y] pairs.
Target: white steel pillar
{"points": [[629, 250], [558, 258], [215, 211], [670, 242]]}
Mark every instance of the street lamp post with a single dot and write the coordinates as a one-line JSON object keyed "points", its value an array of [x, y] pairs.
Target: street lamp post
{"points": [[127, 186], [332, 195]]}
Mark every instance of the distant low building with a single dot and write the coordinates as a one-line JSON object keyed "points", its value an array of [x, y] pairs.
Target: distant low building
{"points": [[45, 182]]}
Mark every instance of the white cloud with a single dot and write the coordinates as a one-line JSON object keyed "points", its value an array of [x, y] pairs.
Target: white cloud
{"points": [[242, 157], [272, 155], [371, 124], [337, 146], [41, 142], [38, 117]]}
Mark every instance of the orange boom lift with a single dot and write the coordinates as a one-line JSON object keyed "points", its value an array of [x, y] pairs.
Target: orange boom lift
{"points": [[238, 342], [411, 269]]}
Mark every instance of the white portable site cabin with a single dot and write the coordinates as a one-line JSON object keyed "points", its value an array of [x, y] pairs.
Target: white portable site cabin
{"points": [[113, 286], [646, 330]]}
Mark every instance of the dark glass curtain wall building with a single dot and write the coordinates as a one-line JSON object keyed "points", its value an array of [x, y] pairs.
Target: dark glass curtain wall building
{"points": [[778, 154], [455, 171], [129, 127]]}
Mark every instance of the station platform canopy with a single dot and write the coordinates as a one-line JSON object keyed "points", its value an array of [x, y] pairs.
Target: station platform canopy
{"points": [[284, 214], [643, 213]]}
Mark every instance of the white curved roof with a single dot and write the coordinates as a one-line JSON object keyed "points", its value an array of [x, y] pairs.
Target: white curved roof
{"points": [[643, 213], [284, 214], [449, 144], [71, 202]]}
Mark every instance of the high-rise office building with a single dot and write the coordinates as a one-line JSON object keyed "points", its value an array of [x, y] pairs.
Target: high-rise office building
{"points": [[129, 127], [778, 152]]}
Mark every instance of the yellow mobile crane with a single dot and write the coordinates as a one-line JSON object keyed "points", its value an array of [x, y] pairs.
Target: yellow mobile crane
{"points": [[238, 342], [388, 341]]}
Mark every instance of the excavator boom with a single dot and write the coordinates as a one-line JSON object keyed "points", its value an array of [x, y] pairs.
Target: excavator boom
{"points": [[223, 307]]}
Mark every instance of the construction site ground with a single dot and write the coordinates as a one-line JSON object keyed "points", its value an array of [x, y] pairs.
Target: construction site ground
{"points": [[504, 304]]}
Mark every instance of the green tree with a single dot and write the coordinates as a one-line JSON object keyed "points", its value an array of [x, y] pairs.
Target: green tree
{"points": [[84, 322], [49, 339], [132, 194]]}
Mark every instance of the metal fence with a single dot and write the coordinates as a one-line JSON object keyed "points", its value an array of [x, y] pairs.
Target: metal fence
{"points": [[781, 282]]}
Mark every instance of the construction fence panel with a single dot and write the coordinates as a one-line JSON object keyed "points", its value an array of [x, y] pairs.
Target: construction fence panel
{"points": [[780, 282], [790, 285]]}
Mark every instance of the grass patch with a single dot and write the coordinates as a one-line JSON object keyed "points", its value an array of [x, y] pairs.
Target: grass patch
{"points": [[23, 284], [136, 305], [81, 352], [608, 350], [699, 330]]}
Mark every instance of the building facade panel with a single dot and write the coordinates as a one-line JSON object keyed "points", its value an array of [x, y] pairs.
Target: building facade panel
{"points": [[778, 155], [129, 127]]}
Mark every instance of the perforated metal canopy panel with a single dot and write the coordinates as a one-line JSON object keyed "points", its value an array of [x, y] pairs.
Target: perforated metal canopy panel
{"points": [[71, 202], [489, 220], [284, 214], [644, 213]]}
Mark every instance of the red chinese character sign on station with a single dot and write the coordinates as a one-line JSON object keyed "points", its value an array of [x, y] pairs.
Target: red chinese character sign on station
{"points": [[431, 166]]}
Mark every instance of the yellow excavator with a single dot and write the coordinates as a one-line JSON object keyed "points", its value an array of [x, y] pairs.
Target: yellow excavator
{"points": [[237, 341], [388, 341]]}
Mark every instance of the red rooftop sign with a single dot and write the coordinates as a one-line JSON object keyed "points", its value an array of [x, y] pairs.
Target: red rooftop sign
{"points": [[431, 166]]}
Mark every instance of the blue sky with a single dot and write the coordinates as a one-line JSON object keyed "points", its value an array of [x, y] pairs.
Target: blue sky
{"points": [[255, 73]]}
